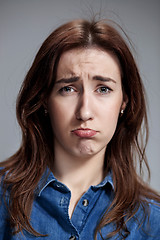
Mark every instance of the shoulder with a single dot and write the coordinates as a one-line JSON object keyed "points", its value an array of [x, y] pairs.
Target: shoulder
{"points": [[154, 212], [145, 224], [151, 224]]}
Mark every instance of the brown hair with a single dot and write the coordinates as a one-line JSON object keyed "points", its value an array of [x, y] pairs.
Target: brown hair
{"points": [[24, 169]]}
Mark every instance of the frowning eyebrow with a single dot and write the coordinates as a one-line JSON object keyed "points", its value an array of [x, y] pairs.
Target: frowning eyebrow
{"points": [[68, 80], [104, 79], [75, 79]]}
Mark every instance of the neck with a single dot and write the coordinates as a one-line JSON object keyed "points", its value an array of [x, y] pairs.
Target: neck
{"points": [[78, 174]]}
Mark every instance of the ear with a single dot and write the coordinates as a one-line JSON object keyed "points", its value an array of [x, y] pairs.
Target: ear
{"points": [[124, 102], [45, 109], [45, 105]]}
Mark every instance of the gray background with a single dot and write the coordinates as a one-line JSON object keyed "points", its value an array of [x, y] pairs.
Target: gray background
{"points": [[24, 25]]}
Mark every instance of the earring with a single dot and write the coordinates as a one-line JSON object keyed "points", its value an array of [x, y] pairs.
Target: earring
{"points": [[122, 111], [45, 112]]}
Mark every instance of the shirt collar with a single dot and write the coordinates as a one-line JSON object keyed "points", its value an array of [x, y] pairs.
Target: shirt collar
{"points": [[45, 180], [48, 177], [107, 180]]}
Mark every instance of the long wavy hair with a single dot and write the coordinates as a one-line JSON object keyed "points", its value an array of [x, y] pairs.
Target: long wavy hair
{"points": [[23, 170]]}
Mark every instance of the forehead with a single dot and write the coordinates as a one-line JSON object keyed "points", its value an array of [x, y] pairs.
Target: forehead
{"points": [[89, 59]]}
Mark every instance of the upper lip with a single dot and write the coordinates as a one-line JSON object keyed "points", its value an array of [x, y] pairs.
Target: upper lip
{"points": [[84, 129]]}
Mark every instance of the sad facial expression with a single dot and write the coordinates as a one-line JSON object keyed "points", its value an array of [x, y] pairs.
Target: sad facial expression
{"points": [[85, 102]]}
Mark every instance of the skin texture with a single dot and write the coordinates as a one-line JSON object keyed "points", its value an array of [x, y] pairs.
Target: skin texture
{"points": [[84, 108]]}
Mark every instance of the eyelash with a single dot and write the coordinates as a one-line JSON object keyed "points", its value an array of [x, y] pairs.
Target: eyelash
{"points": [[64, 89], [101, 90], [107, 90]]}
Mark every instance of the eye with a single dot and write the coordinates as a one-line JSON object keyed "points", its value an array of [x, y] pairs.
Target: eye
{"points": [[104, 90], [66, 90]]}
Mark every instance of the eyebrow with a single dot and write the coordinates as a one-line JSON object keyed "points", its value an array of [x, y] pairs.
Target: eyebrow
{"points": [[75, 79], [104, 79], [67, 80]]}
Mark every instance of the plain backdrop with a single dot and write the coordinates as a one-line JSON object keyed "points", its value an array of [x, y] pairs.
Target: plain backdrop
{"points": [[24, 25]]}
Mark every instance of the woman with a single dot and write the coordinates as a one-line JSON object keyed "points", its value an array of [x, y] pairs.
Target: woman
{"points": [[80, 108]]}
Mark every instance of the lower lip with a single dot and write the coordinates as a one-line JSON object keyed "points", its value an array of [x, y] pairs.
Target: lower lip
{"points": [[84, 133]]}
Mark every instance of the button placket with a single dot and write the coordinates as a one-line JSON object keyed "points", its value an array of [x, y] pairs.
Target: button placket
{"points": [[83, 209]]}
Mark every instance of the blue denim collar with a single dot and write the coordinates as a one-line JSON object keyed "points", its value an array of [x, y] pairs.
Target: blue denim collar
{"points": [[48, 178]]}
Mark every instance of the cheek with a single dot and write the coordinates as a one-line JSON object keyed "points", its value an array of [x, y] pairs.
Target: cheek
{"points": [[59, 115], [109, 116], [111, 110], [54, 114]]}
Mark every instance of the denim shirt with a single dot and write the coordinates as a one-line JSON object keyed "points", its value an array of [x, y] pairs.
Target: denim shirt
{"points": [[50, 214]]}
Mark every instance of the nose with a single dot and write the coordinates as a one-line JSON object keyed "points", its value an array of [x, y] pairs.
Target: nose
{"points": [[84, 110]]}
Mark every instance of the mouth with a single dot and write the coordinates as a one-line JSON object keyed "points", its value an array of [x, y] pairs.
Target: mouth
{"points": [[84, 132]]}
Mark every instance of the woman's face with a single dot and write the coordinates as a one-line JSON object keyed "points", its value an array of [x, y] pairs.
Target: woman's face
{"points": [[85, 102]]}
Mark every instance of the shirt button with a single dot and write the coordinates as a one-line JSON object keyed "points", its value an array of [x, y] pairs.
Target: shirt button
{"points": [[85, 202], [72, 238]]}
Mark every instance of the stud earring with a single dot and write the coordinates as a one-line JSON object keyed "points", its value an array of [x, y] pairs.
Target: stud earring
{"points": [[45, 112], [122, 111]]}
